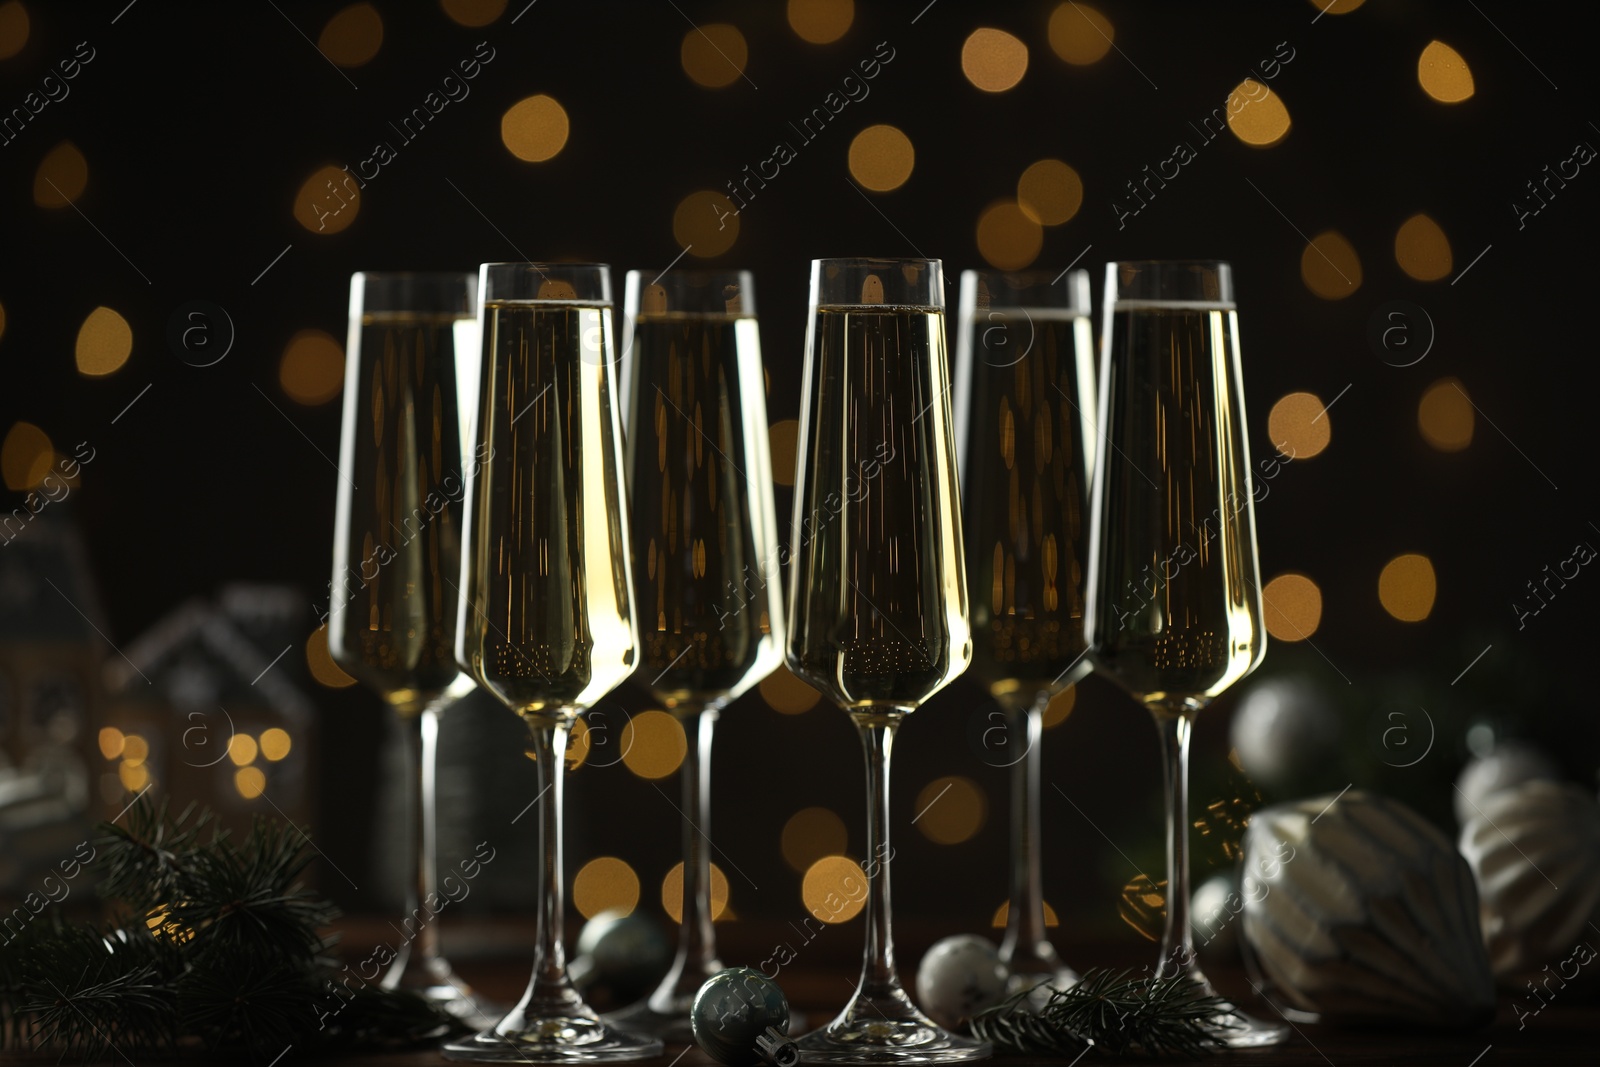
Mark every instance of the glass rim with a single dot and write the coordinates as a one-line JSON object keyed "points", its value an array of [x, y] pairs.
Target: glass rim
{"points": [[884, 261], [1072, 284], [692, 272], [542, 265], [1169, 263]]}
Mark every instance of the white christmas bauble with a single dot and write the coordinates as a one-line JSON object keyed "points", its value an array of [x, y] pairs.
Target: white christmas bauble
{"points": [[1510, 763], [1283, 729], [1534, 850], [1213, 916], [1360, 910], [959, 977]]}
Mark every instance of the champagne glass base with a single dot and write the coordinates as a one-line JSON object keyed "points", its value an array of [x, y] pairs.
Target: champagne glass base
{"points": [[887, 1029], [672, 1026], [553, 1039], [1246, 1031]]}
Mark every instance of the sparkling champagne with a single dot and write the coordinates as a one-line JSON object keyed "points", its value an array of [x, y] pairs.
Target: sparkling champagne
{"points": [[545, 620], [1027, 457], [1176, 614], [704, 540], [397, 547], [880, 606]]}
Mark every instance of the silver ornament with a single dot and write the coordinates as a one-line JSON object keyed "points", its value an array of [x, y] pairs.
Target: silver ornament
{"points": [[1534, 850], [959, 977], [1507, 764], [1360, 910], [1283, 729]]}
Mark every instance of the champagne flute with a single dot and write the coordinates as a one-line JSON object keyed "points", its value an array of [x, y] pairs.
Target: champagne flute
{"points": [[1025, 448], [397, 547], [877, 594], [546, 619], [705, 554], [1174, 597]]}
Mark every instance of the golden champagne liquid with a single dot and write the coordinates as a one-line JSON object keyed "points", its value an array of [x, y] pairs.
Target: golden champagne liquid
{"points": [[1177, 606], [1026, 465], [397, 547], [879, 615], [704, 538], [546, 622]]}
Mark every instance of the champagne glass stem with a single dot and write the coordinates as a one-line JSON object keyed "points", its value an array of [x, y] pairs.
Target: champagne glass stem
{"points": [[878, 977], [1025, 947], [419, 732], [549, 985], [696, 960], [1177, 941]]}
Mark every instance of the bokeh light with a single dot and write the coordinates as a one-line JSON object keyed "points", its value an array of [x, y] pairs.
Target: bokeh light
{"points": [[654, 744], [714, 55], [242, 750], [328, 201], [1330, 267], [1080, 34], [672, 893], [111, 742], [1445, 415], [251, 782], [26, 456], [1049, 192], [821, 21], [810, 834], [14, 28], [950, 810], [1256, 114], [311, 370], [1002, 915], [275, 744], [993, 60], [706, 223], [782, 440], [881, 158], [1007, 238], [578, 744], [1422, 249], [1293, 607], [473, 13], [105, 341], [135, 750], [1444, 74], [134, 776], [1299, 425], [320, 661], [605, 883], [1336, 7], [1060, 707], [1407, 587], [535, 128], [834, 889], [62, 176], [785, 693], [353, 36]]}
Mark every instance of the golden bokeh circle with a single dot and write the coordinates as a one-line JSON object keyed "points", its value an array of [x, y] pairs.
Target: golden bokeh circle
{"points": [[1407, 587], [275, 744], [993, 60], [1049, 192], [1299, 425], [882, 158], [1002, 915], [26, 456], [654, 744], [111, 742], [62, 176], [319, 661], [603, 884], [14, 27], [1256, 114], [1293, 607], [251, 782], [1330, 267], [950, 810], [535, 128], [1336, 7], [782, 439], [1080, 34], [706, 223], [135, 749], [473, 13], [1444, 74], [242, 750], [810, 834], [105, 341], [578, 744], [1060, 707], [672, 893], [1422, 249], [311, 370], [785, 693], [834, 889], [821, 21], [353, 36], [1007, 238], [1445, 416], [328, 201], [714, 55]]}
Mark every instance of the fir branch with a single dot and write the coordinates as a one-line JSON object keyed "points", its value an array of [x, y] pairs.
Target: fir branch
{"points": [[1115, 1013]]}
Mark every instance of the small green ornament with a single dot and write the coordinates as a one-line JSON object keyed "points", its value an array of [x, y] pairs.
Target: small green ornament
{"points": [[740, 1016]]}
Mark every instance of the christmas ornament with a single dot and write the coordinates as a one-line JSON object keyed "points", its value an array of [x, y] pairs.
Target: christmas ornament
{"points": [[1213, 915], [1534, 850], [1358, 909], [959, 977], [740, 1016], [625, 952], [1283, 730], [1508, 764]]}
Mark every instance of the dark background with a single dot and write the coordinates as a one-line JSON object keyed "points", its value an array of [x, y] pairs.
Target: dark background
{"points": [[200, 122]]}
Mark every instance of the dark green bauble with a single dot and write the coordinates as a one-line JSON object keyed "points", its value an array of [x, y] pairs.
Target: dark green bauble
{"points": [[732, 1009]]}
